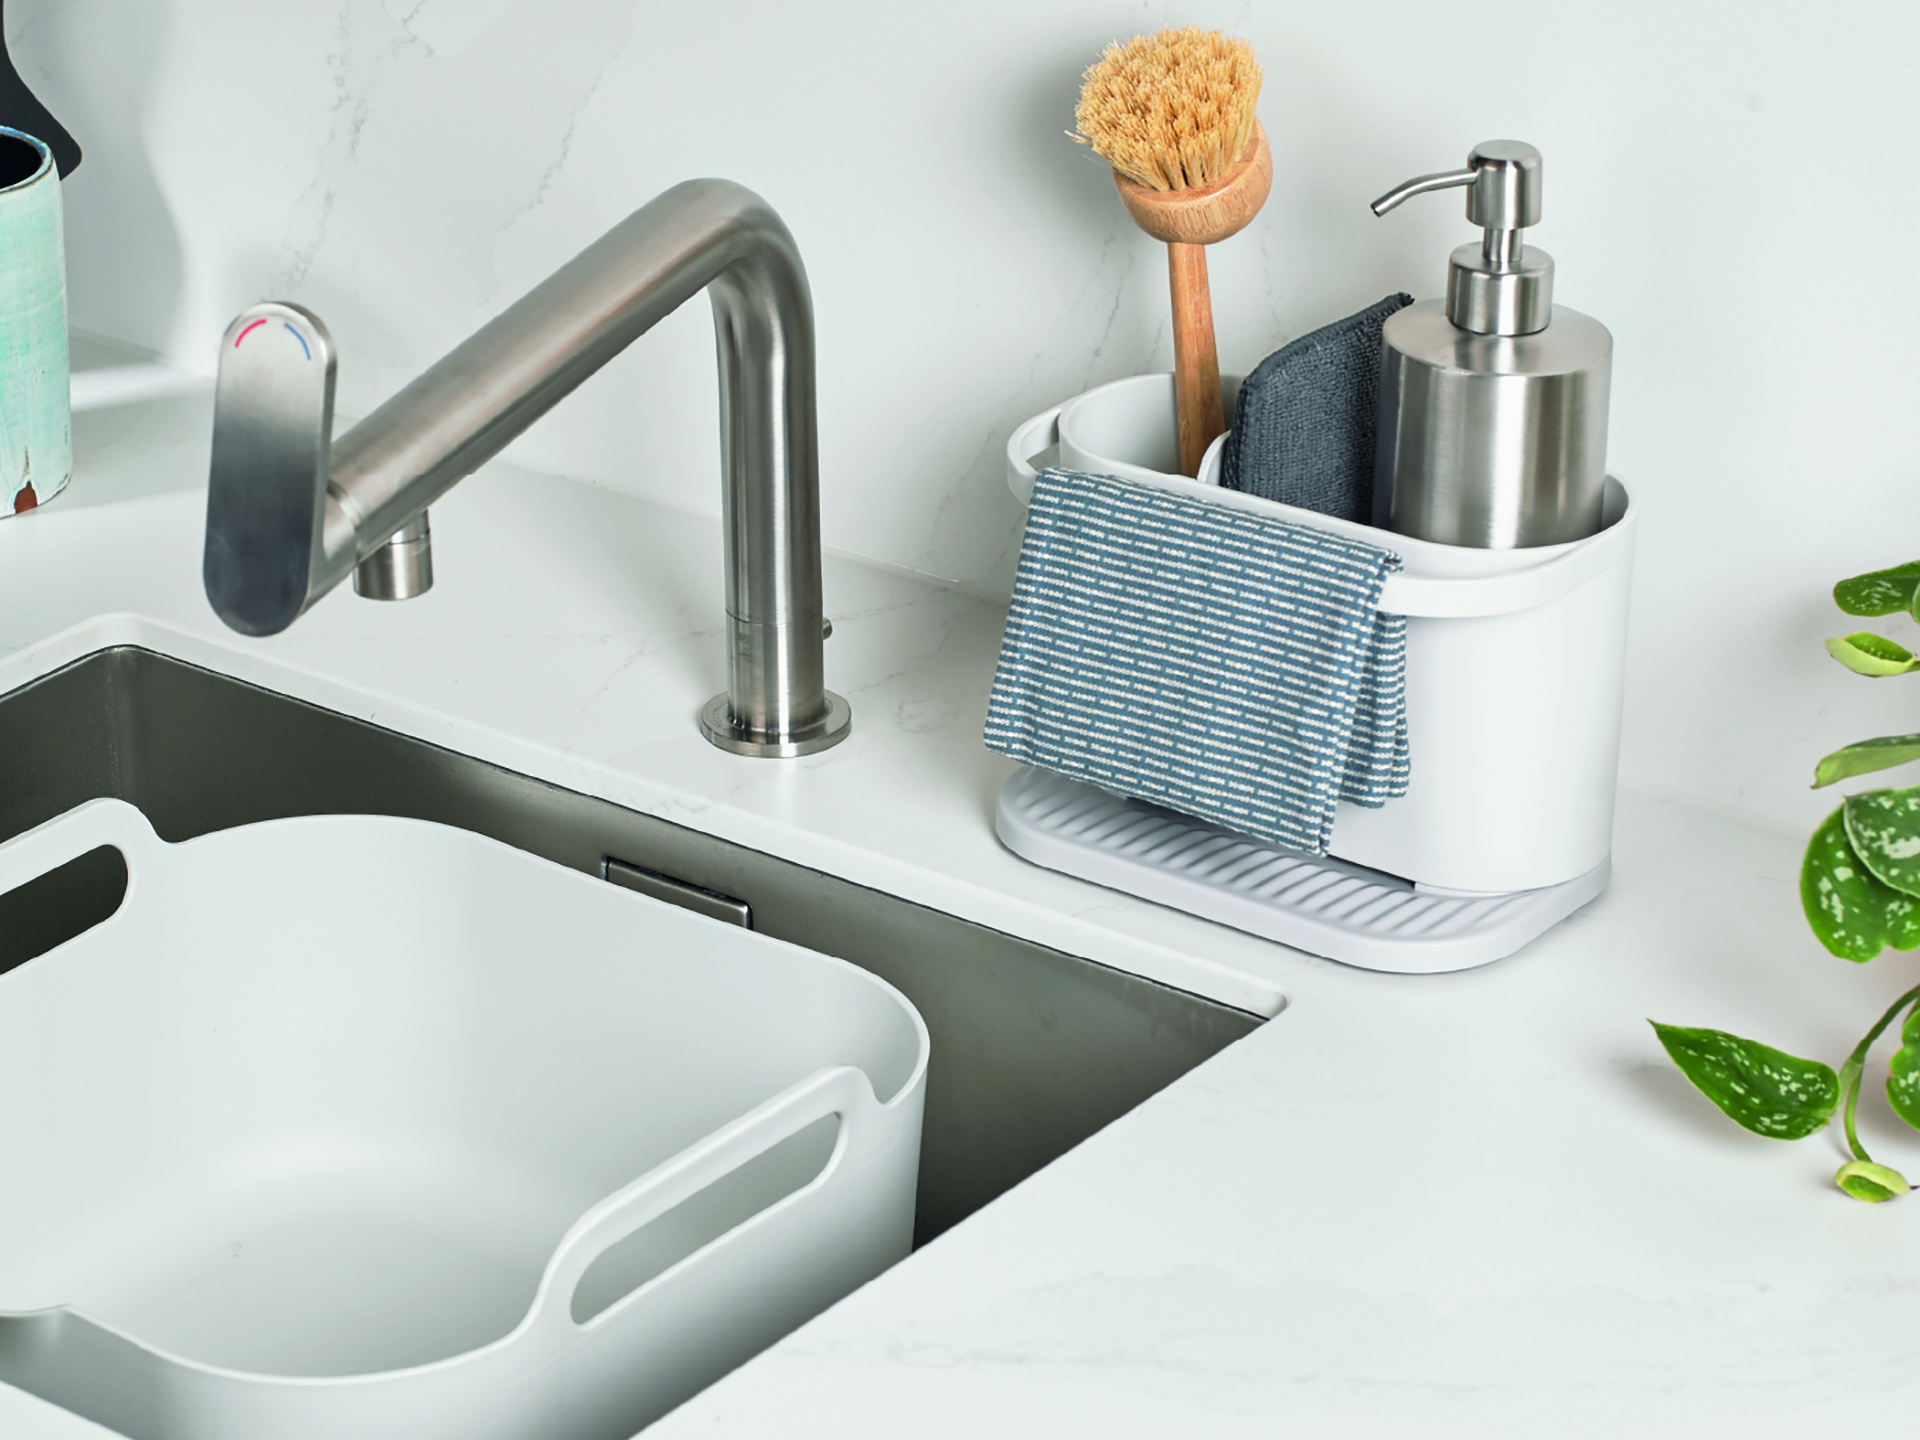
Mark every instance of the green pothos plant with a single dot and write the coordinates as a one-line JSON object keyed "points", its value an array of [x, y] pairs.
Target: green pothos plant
{"points": [[1860, 888]]}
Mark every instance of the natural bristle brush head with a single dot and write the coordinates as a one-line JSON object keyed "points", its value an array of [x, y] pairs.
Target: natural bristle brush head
{"points": [[1172, 110]]}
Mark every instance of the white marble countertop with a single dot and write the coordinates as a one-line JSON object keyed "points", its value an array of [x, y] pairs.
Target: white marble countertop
{"points": [[1479, 1204]]}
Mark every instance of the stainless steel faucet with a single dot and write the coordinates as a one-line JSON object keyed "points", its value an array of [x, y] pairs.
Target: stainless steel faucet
{"points": [[290, 511]]}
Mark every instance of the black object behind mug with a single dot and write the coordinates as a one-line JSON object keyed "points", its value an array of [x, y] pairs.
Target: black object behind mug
{"points": [[20, 109]]}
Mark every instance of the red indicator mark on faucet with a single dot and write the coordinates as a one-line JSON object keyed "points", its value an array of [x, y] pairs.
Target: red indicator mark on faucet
{"points": [[305, 349]]}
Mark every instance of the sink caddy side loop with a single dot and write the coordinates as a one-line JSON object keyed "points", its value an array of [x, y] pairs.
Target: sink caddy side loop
{"points": [[1030, 440]]}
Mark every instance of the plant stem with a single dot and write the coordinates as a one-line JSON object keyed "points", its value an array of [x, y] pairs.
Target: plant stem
{"points": [[1856, 1065]]}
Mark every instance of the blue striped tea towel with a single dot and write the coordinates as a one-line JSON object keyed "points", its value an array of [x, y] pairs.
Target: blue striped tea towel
{"points": [[1220, 662]]}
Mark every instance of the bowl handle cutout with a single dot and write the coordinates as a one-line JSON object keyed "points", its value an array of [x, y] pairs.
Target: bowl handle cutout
{"points": [[33, 853], [740, 1171]]}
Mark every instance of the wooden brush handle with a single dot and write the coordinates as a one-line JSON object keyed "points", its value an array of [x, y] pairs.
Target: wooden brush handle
{"points": [[1196, 365], [1189, 221]]}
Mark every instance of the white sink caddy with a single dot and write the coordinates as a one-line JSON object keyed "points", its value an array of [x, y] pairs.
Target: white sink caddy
{"points": [[1516, 663]]}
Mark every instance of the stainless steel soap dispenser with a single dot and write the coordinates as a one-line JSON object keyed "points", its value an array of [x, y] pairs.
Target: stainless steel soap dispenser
{"points": [[1493, 405]]}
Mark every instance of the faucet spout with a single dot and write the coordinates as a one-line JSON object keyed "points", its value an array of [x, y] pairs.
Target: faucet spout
{"points": [[291, 512]]}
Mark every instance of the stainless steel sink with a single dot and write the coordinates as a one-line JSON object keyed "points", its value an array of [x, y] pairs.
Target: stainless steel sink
{"points": [[1033, 1049]]}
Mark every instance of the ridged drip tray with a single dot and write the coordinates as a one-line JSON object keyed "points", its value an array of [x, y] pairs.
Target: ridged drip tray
{"points": [[1313, 903]]}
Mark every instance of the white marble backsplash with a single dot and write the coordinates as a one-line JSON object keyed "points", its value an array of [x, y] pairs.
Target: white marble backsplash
{"points": [[408, 167]]}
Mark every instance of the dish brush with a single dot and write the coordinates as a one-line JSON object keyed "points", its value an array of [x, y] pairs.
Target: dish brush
{"points": [[1173, 113]]}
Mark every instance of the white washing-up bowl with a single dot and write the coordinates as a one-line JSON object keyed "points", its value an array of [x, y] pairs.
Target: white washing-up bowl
{"points": [[360, 1126]]}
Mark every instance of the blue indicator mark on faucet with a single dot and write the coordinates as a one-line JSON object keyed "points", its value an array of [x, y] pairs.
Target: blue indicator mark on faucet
{"points": [[305, 348]]}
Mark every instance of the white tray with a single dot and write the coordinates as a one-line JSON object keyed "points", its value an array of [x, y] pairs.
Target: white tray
{"points": [[356, 1126], [1321, 905]]}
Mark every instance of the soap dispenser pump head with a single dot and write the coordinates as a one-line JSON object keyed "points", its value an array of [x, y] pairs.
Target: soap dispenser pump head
{"points": [[1501, 287]]}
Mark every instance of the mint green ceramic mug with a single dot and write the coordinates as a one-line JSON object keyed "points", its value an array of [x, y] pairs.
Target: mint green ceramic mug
{"points": [[36, 424]]}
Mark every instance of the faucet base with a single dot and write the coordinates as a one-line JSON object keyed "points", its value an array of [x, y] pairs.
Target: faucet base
{"points": [[718, 725]]}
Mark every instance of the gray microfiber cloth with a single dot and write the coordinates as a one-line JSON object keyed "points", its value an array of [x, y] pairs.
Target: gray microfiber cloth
{"points": [[1303, 429]]}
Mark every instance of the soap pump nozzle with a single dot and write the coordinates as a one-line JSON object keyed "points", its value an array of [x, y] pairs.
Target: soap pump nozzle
{"points": [[1503, 287]]}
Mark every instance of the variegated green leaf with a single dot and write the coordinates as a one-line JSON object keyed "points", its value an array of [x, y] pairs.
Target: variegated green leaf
{"points": [[1864, 1180], [1765, 1090], [1883, 826], [1866, 653], [1850, 911], [1903, 1075], [1866, 757], [1881, 592]]}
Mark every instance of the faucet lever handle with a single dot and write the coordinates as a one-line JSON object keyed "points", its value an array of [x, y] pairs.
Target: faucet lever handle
{"points": [[267, 493]]}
